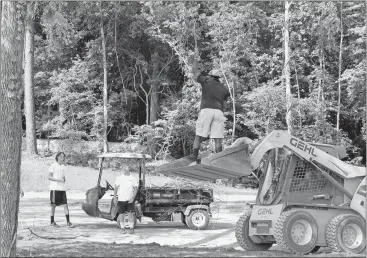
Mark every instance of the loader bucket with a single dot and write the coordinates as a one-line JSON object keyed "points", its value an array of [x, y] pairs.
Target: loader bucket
{"points": [[231, 163]]}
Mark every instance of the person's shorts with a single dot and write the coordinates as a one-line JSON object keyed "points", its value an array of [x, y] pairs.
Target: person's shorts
{"points": [[123, 207], [58, 197], [210, 123]]}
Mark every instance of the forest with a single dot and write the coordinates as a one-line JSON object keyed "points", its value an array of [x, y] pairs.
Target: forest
{"points": [[121, 71]]}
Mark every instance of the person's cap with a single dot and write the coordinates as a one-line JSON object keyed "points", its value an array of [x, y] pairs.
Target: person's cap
{"points": [[215, 73]]}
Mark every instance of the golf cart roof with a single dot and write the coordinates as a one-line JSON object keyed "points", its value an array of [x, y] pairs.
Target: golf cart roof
{"points": [[124, 155]]}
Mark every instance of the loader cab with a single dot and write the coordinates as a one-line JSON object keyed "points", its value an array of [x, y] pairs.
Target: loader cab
{"points": [[272, 174], [286, 177]]}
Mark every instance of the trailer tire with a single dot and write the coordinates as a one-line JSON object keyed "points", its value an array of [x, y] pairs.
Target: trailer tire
{"points": [[296, 232], [197, 219], [242, 235], [343, 227]]}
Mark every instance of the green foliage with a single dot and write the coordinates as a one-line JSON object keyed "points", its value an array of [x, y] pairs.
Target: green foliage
{"points": [[263, 109], [151, 45], [72, 91], [355, 83]]}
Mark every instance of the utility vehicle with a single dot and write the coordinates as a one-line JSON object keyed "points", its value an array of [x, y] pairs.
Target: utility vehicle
{"points": [[187, 205]]}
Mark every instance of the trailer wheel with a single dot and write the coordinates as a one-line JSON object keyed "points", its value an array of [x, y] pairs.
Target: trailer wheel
{"points": [[197, 219], [296, 232], [242, 235], [346, 233]]}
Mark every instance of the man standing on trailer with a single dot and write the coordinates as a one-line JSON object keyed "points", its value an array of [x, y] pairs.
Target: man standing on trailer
{"points": [[210, 123]]}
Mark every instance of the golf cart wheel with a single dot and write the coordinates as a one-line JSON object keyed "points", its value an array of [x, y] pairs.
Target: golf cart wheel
{"points": [[242, 235], [296, 232], [347, 233], [197, 219]]}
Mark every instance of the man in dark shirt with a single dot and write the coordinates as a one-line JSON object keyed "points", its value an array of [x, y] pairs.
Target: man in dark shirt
{"points": [[211, 120]]}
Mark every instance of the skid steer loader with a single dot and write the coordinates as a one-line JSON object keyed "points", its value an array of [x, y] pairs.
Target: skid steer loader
{"points": [[308, 198]]}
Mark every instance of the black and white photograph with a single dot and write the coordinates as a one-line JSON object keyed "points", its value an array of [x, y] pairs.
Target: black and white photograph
{"points": [[183, 128]]}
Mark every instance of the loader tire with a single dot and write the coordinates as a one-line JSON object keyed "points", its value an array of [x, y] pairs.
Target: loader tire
{"points": [[347, 233], [296, 232], [242, 235]]}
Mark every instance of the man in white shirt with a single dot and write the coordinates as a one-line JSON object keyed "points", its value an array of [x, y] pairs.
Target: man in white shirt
{"points": [[57, 188], [126, 187]]}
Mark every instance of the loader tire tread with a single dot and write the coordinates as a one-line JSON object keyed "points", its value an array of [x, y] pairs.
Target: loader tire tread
{"points": [[278, 232], [331, 232], [243, 239]]}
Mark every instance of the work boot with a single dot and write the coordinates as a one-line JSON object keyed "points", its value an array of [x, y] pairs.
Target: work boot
{"points": [[196, 162]]}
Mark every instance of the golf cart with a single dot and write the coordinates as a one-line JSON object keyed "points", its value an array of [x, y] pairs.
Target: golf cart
{"points": [[186, 205]]}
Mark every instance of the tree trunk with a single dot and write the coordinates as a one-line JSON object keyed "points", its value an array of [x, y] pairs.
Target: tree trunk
{"points": [[319, 93], [234, 114], [147, 109], [232, 96], [299, 97], [340, 66], [154, 97], [105, 89], [29, 107], [288, 91], [11, 55]]}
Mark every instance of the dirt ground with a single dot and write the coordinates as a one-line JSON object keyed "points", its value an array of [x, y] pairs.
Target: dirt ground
{"points": [[100, 238]]}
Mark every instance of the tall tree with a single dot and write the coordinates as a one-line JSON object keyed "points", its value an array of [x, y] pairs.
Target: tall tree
{"points": [[29, 106], [11, 90], [340, 66], [105, 85], [288, 89], [154, 97]]}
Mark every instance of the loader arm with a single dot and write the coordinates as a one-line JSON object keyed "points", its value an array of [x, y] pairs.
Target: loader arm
{"points": [[306, 151]]}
